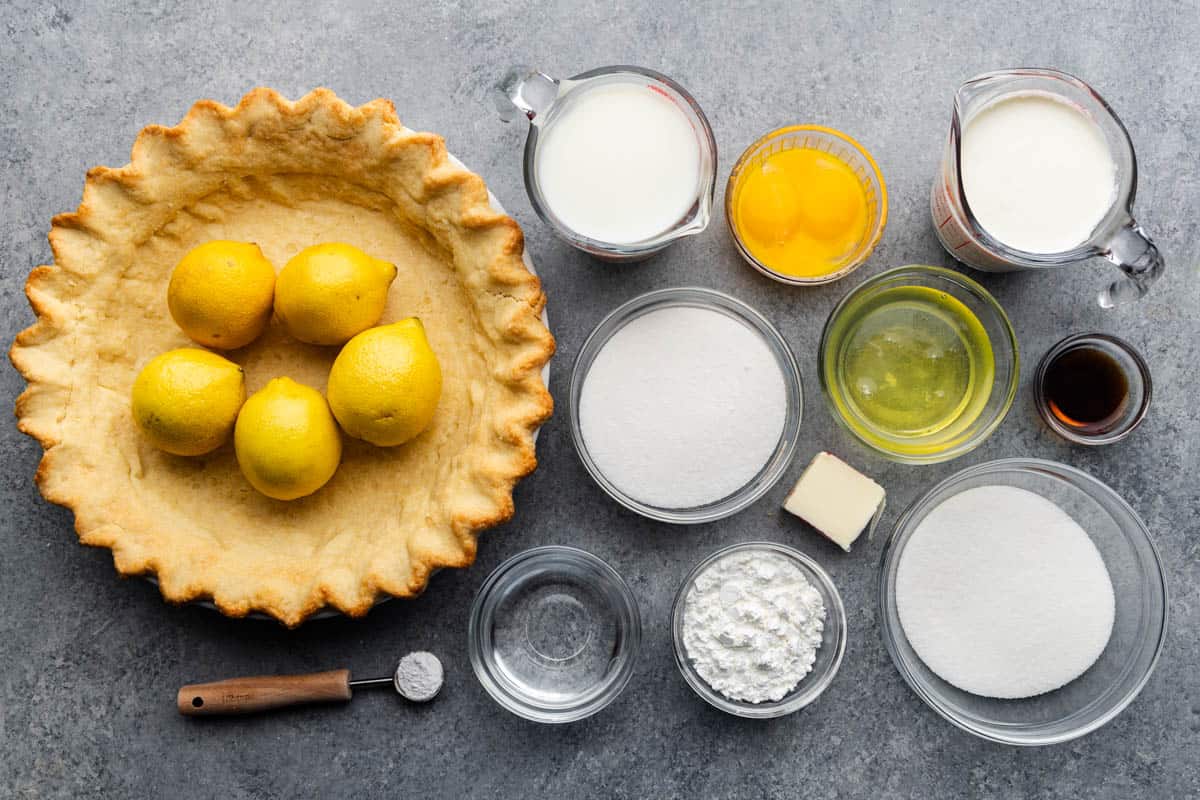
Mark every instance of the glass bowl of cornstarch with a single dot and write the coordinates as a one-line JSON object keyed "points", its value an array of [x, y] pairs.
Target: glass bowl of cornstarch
{"points": [[1024, 601], [759, 630]]}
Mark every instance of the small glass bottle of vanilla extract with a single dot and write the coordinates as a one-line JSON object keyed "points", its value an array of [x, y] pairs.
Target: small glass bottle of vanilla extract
{"points": [[1092, 388]]}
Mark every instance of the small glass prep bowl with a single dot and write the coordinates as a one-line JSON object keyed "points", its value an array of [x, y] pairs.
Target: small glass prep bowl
{"points": [[838, 144], [695, 297], [1139, 389], [1109, 685], [553, 634], [829, 655], [932, 448]]}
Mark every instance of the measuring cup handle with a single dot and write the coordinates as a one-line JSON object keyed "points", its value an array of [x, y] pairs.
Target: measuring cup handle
{"points": [[524, 91], [1138, 257], [262, 693]]}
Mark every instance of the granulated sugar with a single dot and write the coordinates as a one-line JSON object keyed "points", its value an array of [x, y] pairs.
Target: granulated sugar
{"points": [[1003, 594], [682, 407]]}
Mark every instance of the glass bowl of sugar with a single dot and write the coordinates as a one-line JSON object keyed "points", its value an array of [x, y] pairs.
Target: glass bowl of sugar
{"points": [[743, 608], [1024, 601], [685, 405]]}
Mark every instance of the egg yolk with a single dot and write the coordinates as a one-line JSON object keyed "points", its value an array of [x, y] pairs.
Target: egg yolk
{"points": [[776, 212], [801, 212]]}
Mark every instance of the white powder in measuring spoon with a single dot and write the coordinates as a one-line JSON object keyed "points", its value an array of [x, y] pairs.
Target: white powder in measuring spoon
{"points": [[1001, 593], [682, 407], [419, 676]]}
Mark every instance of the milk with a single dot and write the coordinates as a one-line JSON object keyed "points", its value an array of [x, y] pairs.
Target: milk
{"points": [[620, 163], [1037, 172]]}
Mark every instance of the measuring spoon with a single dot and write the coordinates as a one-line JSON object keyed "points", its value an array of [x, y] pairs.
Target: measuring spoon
{"points": [[418, 678]]}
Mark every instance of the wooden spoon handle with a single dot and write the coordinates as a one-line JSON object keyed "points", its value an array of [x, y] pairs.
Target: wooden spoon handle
{"points": [[247, 695]]}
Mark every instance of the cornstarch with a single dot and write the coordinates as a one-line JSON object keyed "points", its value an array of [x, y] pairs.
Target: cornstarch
{"points": [[752, 626], [419, 676]]}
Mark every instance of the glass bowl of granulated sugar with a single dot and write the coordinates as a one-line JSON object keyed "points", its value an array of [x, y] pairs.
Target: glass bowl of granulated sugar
{"points": [[1024, 601], [685, 405]]}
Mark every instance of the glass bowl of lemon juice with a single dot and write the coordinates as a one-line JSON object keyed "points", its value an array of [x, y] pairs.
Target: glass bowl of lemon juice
{"points": [[919, 363]]}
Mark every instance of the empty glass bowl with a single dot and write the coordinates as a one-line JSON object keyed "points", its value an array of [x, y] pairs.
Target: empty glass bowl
{"points": [[829, 655], [553, 634], [1109, 685]]}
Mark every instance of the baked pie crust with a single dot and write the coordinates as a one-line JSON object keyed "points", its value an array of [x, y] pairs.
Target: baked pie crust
{"points": [[285, 175]]}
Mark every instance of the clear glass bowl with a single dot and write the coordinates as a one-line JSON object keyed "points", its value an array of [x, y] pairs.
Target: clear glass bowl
{"points": [[935, 447], [553, 634], [814, 137], [1137, 375], [829, 656], [1138, 634], [694, 297]]}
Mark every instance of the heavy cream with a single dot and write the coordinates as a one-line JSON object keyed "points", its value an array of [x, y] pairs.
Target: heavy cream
{"points": [[620, 163], [1037, 172]]}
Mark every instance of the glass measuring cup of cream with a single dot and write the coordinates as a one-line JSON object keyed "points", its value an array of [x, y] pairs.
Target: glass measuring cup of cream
{"points": [[1039, 172], [620, 161]]}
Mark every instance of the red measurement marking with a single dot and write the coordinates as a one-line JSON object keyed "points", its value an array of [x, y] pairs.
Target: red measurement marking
{"points": [[942, 224], [659, 89], [964, 244]]}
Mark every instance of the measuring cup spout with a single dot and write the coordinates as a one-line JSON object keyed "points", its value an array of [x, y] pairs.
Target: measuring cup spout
{"points": [[1138, 257], [524, 91]]}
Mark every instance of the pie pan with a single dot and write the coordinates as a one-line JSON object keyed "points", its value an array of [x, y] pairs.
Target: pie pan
{"points": [[285, 175]]}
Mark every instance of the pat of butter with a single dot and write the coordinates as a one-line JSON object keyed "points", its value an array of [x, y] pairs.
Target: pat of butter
{"points": [[836, 499]]}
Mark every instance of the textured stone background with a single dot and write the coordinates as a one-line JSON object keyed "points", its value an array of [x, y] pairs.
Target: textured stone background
{"points": [[89, 664]]}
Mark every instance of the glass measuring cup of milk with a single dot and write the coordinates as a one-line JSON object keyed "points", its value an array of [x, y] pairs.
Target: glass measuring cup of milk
{"points": [[1039, 172], [620, 161]]}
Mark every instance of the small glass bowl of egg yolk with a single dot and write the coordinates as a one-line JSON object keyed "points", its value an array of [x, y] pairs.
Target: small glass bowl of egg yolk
{"points": [[806, 204]]}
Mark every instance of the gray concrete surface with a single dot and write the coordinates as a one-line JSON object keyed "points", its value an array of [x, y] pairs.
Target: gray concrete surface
{"points": [[89, 664]]}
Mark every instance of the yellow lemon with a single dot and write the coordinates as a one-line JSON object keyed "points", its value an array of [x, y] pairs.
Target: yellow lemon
{"points": [[185, 401], [287, 442], [221, 292], [385, 384], [329, 292]]}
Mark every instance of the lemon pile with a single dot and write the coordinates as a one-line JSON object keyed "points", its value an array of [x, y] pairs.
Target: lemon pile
{"points": [[384, 385]]}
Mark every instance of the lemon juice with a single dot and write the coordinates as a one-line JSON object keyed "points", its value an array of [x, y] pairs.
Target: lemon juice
{"points": [[913, 368]]}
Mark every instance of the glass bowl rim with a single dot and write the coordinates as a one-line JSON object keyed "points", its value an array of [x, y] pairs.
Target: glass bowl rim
{"points": [[891, 631], [835, 615], [873, 239], [989, 301], [773, 468], [595, 699]]}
